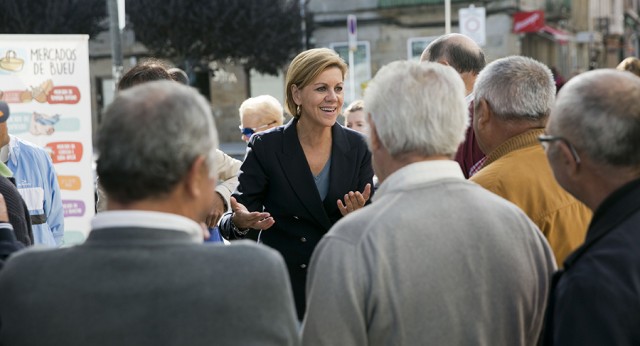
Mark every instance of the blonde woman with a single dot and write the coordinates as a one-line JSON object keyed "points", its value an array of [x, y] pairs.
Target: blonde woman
{"points": [[299, 179]]}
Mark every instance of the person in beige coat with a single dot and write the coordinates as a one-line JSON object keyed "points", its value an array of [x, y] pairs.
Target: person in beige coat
{"points": [[226, 166]]}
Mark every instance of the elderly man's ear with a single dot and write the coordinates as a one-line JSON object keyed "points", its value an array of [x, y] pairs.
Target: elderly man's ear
{"points": [[197, 177], [568, 159], [482, 114], [373, 134]]}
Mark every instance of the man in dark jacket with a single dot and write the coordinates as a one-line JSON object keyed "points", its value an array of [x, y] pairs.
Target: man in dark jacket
{"points": [[143, 276], [592, 142], [15, 222], [15, 228]]}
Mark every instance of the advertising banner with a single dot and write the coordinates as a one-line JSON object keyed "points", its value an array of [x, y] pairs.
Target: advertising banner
{"points": [[524, 22], [45, 81]]}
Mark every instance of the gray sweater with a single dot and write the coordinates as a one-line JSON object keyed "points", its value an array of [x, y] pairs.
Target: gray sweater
{"points": [[434, 260], [141, 286]]}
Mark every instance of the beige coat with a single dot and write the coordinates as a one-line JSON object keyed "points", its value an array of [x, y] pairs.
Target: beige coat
{"points": [[227, 177]]}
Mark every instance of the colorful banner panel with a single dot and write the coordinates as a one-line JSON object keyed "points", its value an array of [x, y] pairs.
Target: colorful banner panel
{"points": [[45, 81]]}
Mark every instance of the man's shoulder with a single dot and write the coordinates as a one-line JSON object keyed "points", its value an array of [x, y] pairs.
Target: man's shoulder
{"points": [[261, 258], [614, 256], [513, 169], [29, 262], [29, 147], [23, 142], [248, 250], [353, 227]]}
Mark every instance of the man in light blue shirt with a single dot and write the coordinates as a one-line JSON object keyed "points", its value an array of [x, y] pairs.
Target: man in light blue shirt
{"points": [[37, 183]]}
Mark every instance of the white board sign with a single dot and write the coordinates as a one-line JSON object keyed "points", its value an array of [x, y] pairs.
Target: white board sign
{"points": [[45, 81]]}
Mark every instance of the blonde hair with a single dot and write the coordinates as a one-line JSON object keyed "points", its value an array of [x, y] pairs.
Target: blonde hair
{"points": [[306, 67], [631, 64], [355, 106], [266, 105]]}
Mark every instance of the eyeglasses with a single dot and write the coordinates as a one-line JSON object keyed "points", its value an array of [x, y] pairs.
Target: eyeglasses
{"points": [[248, 131], [546, 139]]}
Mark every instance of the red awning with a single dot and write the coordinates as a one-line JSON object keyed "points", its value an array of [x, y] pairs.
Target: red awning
{"points": [[558, 35]]}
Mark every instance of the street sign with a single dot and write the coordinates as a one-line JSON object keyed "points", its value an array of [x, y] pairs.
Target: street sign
{"points": [[353, 32], [121, 15], [472, 23]]}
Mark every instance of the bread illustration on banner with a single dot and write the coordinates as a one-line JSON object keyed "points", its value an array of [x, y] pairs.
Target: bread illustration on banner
{"points": [[43, 90], [43, 124]]}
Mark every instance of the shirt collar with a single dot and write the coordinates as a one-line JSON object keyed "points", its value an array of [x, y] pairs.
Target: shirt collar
{"points": [[524, 140], [469, 98], [147, 219], [420, 172]]}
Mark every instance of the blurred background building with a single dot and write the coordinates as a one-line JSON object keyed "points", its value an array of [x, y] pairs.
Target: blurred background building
{"points": [[570, 35]]}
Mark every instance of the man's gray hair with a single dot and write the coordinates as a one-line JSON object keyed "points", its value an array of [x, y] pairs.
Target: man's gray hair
{"points": [[598, 112], [150, 137], [516, 88], [418, 107]]}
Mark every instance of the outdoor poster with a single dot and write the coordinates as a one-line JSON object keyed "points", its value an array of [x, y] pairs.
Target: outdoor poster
{"points": [[45, 81]]}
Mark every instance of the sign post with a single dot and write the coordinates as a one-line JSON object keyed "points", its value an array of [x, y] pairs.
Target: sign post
{"points": [[353, 47]]}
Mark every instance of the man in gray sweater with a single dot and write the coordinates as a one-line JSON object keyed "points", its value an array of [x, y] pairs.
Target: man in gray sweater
{"points": [[434, 259], [143, 277]]}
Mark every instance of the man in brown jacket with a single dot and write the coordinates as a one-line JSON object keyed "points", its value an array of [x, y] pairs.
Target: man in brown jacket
{"points": [[513, 98]]}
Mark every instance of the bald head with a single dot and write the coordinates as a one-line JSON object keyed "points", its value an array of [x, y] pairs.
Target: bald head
{"points": [[456, 50], [459, 52], [598, 112]]}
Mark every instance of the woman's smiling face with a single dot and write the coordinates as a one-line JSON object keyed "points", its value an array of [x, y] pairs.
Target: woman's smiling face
{"points": [[321, 101]]}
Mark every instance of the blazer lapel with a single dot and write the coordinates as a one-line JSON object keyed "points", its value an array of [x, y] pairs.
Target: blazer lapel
{"points": [[343, 162], [296, 169]]}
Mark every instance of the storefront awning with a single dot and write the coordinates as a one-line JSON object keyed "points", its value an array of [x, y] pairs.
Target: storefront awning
{"points": [[557, 35]]}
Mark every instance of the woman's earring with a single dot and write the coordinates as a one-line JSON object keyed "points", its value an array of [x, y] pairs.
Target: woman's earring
{"points": [[298, 110]]}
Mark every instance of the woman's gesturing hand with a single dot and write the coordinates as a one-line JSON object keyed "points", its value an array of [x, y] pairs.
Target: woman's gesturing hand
{"points": [[354, 200], [244, 219]]}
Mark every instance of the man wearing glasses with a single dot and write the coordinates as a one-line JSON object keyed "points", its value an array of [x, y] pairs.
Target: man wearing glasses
{"points": [[592, 144], [513, 98]]}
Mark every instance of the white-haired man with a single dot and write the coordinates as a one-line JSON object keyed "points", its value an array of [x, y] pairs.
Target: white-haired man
{"points": [[592, 142], [434, 259], [143, 277], [513, 98]]}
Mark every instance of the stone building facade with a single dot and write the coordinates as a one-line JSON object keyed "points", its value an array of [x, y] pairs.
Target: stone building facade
{"points": [[577, 35]]}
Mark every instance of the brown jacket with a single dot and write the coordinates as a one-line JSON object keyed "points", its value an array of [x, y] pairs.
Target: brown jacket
{"points": [[518, 171]]}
